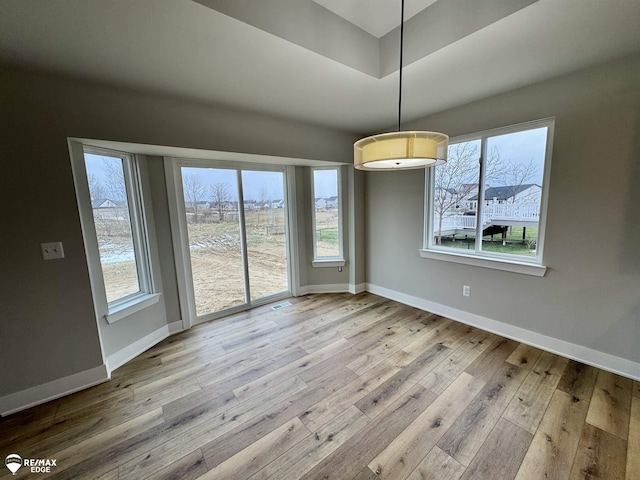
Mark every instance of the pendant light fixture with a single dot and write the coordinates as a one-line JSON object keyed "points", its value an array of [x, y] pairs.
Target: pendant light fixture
{"points": [[400, 150]]}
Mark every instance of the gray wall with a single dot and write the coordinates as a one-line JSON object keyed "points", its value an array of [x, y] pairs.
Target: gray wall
{"points": [[356, 205], [162, 225], [47, 321], [590, 295]]}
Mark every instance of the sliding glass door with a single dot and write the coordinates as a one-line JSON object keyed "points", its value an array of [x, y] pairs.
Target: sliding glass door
{"points": [[233, 238], [266, 227], [215, 238]]}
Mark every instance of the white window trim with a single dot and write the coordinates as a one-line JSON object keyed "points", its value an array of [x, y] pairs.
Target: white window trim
{"points": [[494, 263], [335, 261], [329, 263], [124, 309], [146, 296], [505, 262]]}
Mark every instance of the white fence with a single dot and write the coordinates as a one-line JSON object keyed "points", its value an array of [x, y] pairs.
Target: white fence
{"points": [[512, 211], [493, 214]]}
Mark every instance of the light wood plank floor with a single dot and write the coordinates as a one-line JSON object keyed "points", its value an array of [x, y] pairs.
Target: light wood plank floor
{"points": [[339, 387]]}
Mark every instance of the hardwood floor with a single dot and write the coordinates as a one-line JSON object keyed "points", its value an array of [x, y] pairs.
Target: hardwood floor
{"points": [[338, 387]]}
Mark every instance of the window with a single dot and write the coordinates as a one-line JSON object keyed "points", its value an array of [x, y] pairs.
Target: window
{"points": [[327, 217], [233, 226], [488, 201], [115, 231]]}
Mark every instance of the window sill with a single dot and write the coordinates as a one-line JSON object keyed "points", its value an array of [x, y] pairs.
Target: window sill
{"points": [[129, 308], [493, 263], [329, 263]]}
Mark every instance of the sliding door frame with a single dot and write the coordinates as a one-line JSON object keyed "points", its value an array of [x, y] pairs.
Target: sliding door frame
{"points": [[180, 237]]}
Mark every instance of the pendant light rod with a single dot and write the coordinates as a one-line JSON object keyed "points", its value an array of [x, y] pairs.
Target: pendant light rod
{"points": [[400, 150], [401, 48]]}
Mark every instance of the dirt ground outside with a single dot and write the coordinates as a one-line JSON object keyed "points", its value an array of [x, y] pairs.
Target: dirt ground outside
{"points": [[216, 258]]}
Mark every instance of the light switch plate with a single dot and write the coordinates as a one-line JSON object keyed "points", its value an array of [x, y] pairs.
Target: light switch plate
{"points": [[52, 250]]}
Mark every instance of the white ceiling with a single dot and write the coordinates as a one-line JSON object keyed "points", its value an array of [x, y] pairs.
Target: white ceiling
{"points": [[377, 17], [185, 49]]}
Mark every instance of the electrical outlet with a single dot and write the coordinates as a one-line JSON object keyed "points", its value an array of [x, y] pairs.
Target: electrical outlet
{"points": [[51, 251], [466, 290]]}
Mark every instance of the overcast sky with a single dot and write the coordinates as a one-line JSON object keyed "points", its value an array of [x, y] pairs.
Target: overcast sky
{"points": [[521, 147], [253, 181]]}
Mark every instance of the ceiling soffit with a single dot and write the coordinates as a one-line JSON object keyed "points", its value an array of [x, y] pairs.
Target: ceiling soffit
{"points": [[311, 26], [378, 17]]}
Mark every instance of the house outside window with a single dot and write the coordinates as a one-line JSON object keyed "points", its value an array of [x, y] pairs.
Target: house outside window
{"points": [[489, 199]]}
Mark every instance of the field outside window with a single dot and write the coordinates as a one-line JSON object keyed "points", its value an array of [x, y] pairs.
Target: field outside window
{"points": [[110, 188], [326, 214], [214, 222]]}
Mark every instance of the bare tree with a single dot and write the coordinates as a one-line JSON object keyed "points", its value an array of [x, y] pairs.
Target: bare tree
{"points": [[116, 191], [104, 228], [194, 192], [114, 185], [96, 189], [513, 175], [493, 167], [220, 192], [263, 199], [455, 180]]}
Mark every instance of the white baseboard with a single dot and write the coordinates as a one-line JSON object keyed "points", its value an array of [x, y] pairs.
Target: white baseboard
{"points": [[176, 327], [333, 288], [327, 288], [39, 394], [583, 354], [131, 351]]}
